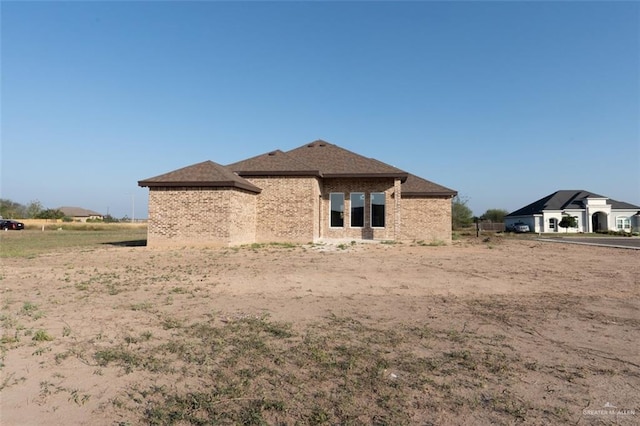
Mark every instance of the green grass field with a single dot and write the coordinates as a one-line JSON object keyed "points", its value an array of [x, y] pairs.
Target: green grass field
{"points": [[31, 242]]}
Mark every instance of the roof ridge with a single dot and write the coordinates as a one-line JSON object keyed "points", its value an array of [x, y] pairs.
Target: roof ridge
{"points": [[205, 173]]}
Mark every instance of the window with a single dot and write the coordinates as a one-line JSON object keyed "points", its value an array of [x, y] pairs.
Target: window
{"points": [[552, 223], [357, 209], [336, 199], [377, 209], [623, 223]]}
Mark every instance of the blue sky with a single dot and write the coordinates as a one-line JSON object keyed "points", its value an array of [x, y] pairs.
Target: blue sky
{"points": [[505, 102]]}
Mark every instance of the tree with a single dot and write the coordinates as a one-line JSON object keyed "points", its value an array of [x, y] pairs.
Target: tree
{"points": [[495, 215], [50, 214], [461, 215], [11, 210], [568, 222], [33, 209]]}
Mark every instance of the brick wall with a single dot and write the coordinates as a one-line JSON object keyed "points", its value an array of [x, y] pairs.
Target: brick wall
{"points": [[426, 219], [286, 209], [200, 216], [347, 186], [242, 217], [289, 209]]}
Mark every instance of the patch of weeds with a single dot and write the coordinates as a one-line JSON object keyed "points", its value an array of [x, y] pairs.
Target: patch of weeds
{"points": [[342, 370], [432, 243], [28, 308], [130, 359], [42, 336], [9, 339], [59, 357], [74, 395], [144, 337], [109, 280], [82, 286], [464, 358], [169, 323], [31, 310], [455, 336], [143, 306], [318, 416], [41, 351]]}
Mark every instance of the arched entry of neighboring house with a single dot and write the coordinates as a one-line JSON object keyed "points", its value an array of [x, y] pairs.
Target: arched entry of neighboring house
{"points": [[599, 222]]}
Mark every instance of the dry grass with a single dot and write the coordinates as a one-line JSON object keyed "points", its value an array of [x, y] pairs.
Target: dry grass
{"points": [[111, 333]]}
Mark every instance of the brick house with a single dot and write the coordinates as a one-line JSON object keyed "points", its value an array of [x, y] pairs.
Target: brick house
{"points": [[318, 191]]}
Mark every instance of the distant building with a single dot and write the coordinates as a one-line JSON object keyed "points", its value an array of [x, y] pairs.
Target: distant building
{"points": [[593, 213], [79, 214]]}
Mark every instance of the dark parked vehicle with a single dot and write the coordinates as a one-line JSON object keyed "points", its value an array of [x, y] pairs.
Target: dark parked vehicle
{"points": [[11, 224]]}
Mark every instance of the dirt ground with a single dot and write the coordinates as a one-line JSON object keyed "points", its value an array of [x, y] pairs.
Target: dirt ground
{"points": [[483, 331]]}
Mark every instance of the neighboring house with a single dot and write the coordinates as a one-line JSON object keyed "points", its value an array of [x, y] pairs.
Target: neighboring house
{"points": [[593, 212], [79, 214], [314, 192]]}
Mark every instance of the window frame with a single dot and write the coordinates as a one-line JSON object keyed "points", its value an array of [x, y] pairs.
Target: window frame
{"points": [[384, 214], [623, 220], [363, 197], [331, 210]]}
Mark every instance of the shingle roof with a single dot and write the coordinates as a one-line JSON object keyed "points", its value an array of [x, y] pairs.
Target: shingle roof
{"points": [[333, 161], [415, 186], [318, 158], [78, 212], [206, 173], [272, 163], [566, 200]]}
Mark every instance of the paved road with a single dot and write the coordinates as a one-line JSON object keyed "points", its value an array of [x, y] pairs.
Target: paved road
{"points": [[622, 242]]}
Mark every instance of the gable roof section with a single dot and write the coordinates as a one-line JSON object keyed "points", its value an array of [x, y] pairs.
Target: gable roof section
{"points": [[274, 163], [566, 200], [78, 212], [318, 158], [333, 161], [207, 173], [415, 186]]}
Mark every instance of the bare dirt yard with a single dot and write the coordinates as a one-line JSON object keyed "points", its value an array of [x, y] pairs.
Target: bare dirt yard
{"points": [[494, 330]]}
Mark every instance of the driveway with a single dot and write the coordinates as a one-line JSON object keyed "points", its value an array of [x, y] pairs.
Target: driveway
{"points": [[619, 242]]}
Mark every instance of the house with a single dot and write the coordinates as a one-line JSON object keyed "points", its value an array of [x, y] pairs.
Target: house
{"points": [[317, 191], [79, 214], [593, 213]]}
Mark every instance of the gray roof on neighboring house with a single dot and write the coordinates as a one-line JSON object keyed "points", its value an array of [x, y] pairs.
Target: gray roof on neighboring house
{"points": [[567, 199], [207, 174], [318, 158], [78, 212], [415, 186]]}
